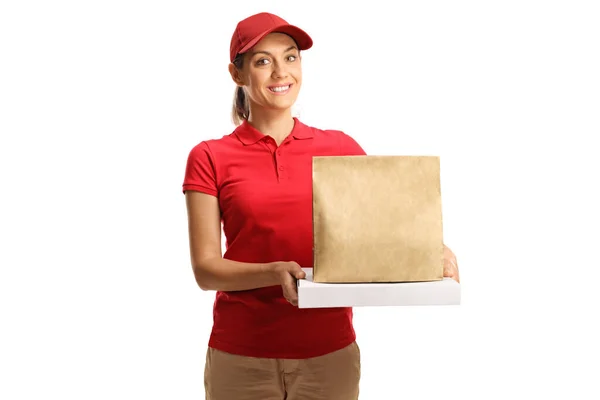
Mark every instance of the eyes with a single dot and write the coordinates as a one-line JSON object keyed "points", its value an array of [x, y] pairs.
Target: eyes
{"points": [[266, 61]]}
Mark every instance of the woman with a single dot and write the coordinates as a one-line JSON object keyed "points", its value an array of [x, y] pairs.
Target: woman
{"points": [[256, 181]]}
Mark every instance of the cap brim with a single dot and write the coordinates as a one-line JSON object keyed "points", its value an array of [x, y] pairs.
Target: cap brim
{"points": [[302, 38]]}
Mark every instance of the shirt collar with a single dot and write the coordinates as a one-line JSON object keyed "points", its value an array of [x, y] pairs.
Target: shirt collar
{"points": [[248, 134]]}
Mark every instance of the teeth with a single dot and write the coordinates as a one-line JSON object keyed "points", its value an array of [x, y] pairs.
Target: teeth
{"points": [[280, 88]]}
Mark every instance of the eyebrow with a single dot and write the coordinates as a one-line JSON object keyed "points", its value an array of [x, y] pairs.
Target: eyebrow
{"points": [[269, 54]]}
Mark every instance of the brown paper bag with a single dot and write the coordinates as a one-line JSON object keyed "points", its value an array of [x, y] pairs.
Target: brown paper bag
{"points": [[377, 219]]}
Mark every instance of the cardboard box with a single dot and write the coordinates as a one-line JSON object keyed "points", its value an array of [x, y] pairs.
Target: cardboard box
{"points": [[320, 295], [377, 219]]}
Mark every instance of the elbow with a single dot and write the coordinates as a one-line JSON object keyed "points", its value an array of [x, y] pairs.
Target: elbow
{"points": [[203, 277], [203, 286]]}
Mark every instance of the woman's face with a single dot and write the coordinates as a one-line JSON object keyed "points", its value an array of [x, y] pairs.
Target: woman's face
{"points": [[272, 73]]}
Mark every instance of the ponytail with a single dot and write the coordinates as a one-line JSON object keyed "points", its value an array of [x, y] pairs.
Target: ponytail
{"points": [[240, 110]]}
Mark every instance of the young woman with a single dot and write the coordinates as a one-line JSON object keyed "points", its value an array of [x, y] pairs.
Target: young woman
{"points": [[256, 182]]}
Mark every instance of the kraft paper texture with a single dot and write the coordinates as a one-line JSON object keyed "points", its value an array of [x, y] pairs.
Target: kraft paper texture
{"points": [[377, 219]]}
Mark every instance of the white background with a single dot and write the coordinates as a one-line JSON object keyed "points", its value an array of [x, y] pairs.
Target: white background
{"points": [[101, 101]]}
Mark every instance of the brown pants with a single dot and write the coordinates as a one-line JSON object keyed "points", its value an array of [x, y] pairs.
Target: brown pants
{"points": [[334, 376]]}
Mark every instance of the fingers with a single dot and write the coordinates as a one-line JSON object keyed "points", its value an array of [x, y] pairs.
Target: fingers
{"points": [[290, 292], [290, 273], [453, 275], [451, 269]]}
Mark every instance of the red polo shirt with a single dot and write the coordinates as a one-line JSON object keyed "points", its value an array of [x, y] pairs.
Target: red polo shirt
{"points": [[265, 196]]}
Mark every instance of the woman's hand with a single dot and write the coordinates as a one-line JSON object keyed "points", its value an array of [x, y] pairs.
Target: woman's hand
{"points": [[288, 272], [450, 265]]}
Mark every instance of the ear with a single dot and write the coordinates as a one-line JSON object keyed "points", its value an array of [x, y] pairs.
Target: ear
{"points": [[236, 75]]}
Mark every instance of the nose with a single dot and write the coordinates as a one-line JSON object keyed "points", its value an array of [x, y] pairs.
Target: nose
{"points": [[279, 70]]}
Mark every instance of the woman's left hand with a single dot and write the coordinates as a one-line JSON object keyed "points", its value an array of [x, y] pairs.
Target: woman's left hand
{"points": [[450, 265]]}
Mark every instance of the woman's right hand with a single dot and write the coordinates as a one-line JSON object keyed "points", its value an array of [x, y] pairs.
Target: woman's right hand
{"points": [[288, 272]]}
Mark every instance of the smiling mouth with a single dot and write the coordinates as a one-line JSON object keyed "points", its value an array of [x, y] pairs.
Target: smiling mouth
{"points": [[280, 89]]}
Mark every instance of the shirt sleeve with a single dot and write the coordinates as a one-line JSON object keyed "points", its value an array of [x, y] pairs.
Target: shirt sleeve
{"points": [[349, 146], [200, 171]]}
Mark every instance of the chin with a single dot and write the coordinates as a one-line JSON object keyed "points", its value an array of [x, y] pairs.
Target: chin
{"points": [[281, 105]]}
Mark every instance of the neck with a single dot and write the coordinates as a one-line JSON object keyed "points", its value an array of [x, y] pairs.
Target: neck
{"points": [[275, 123]]}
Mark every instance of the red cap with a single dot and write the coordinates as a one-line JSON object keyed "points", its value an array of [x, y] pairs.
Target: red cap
{"points": [[251, 30]]}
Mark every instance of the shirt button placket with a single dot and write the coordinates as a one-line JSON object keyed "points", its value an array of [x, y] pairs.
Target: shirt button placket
{"points": [[281, 171], [280, 167]]}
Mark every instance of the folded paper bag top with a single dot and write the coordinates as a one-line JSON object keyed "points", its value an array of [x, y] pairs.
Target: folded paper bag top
{"points": [[377, 219]]}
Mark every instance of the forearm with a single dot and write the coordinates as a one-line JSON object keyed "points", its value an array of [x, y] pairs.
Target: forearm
{"points": [[226, 275]]}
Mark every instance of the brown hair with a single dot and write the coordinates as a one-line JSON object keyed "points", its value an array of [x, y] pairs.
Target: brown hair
{"points": [[240, 109]]}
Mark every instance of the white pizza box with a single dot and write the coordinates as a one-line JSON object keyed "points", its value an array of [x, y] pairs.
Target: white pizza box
{"points": [[321, 295]]}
